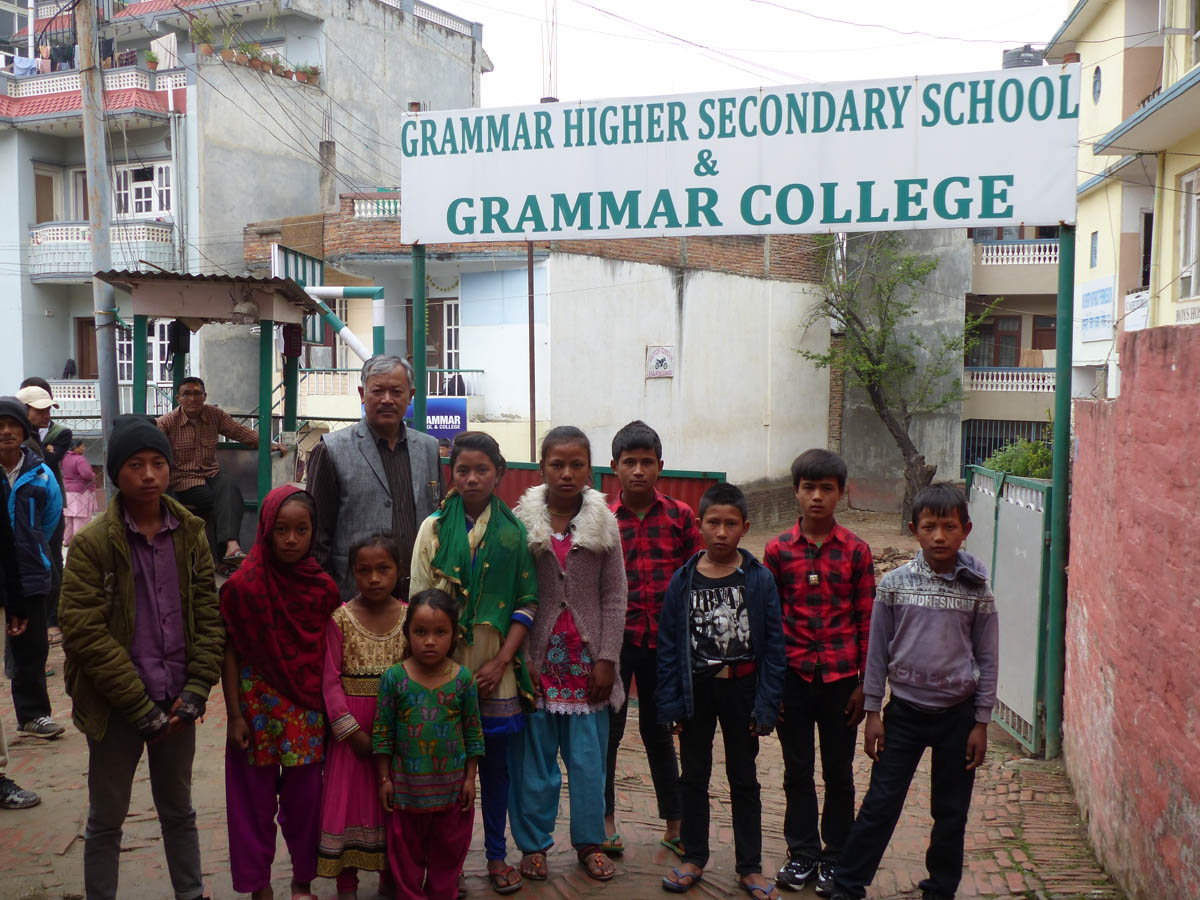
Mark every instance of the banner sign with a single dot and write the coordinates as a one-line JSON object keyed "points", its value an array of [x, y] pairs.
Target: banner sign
{"points": [[994, 148], [444, 416]]}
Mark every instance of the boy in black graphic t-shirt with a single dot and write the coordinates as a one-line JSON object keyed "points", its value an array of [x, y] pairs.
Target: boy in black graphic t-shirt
{"points": [[721, 658]]}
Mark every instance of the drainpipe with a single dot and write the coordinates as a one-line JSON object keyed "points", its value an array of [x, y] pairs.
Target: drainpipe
{"points": [[1056, 618]]}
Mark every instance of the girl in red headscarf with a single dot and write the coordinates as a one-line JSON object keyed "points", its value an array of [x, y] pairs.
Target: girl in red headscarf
{"points": [[276, 607]]}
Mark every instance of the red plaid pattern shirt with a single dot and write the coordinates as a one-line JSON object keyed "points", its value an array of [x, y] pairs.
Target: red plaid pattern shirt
{"points": [[825, 624], [654, 546]]}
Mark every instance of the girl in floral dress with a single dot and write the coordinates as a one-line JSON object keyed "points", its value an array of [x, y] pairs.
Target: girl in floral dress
{"points": [[363, 639], [573, 647], [276, 608]]}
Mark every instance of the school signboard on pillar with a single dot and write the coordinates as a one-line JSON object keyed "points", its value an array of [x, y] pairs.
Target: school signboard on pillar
{"points": [[985, 149]]}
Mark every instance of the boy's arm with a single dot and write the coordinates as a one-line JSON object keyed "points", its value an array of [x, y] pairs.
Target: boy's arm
{"points": [[208, 637], [985, 639], [883, 629], [88, 643], [668, 655], [770, 678]]}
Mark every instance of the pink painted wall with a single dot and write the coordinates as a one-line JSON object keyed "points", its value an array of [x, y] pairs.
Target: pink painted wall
{"points": [[1132, 699]]}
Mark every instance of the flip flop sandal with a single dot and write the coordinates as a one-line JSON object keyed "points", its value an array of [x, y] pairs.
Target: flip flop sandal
{"points": [[500, 882], [537, 870], [758, 891], [675, 845], [613, 846], [677, 886], [593, 863]]}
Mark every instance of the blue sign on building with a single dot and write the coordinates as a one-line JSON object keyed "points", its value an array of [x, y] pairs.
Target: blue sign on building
{"points": [[444, 416]]}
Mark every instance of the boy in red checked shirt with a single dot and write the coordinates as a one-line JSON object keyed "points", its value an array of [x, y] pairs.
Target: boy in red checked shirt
{"points": [[826, 582], [658, 535]]}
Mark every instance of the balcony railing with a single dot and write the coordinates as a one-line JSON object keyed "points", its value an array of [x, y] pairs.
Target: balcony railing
{"points": [[1019, 253], [64, 249], [343, 382], [1004, 379], [114, 80]]}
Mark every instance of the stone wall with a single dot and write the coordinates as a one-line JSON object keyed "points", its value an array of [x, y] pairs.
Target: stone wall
{"points": [[1132, 698]]}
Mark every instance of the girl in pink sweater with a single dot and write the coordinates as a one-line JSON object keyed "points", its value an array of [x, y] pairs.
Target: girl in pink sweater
{"points": [[572, 648]]}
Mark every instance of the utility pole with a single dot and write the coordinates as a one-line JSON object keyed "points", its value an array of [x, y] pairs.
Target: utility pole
{"points": [[91, 80]]}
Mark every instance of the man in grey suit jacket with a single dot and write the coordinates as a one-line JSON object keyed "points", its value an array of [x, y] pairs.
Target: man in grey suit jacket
{"points": [[375, 477]]}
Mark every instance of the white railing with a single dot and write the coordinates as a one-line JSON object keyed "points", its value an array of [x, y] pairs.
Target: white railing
{"points": [[122, 79], [1001, 379], [377, 208], [64, 248], [1018, 253]]}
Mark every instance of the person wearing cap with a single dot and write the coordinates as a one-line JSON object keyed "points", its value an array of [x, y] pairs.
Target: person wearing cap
{"points": [[33, 502], [51, 441], [144, 644]]}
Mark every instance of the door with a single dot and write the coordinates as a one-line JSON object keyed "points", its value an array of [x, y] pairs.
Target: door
{"points": [[85, 348]]}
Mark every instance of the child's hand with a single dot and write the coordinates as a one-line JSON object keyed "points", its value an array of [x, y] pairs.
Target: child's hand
{"points": [[385, 794], [976, 746], [360, 743], [487, 679], [873, 736], [854, 711], [467, 794], [600, 682], [239, 734]]}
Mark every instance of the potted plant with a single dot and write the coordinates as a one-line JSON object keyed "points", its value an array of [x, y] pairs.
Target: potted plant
{"points": [[151, 60], [202, 36], [243, 54]]}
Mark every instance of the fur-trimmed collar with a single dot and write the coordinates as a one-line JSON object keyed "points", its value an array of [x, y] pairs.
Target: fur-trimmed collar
{"points": [[594, 528]]}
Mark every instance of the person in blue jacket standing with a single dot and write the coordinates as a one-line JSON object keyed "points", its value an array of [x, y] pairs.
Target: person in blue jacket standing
{"points": [[33, 502], [721, 658]]}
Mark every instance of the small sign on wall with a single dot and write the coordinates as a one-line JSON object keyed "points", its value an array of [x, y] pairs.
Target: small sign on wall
{"points": [[660, 362]]}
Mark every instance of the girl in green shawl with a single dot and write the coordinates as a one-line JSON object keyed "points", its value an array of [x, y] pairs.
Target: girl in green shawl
{"points": [[474, 549]]}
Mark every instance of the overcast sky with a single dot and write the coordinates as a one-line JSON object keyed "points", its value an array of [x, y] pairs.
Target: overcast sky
{"points": [[620, 48]]}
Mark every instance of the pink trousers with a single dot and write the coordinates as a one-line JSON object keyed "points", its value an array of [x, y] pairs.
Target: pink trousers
{"points": [[426, 852], [253, 795]]}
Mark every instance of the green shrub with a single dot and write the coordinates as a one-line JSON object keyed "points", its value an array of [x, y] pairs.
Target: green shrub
{"points": [[1023, 458]]}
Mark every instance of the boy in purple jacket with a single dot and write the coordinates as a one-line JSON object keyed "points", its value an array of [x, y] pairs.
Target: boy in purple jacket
{"points": [[935, 639]]}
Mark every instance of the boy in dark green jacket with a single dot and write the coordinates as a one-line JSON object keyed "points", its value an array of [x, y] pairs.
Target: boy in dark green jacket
{"points": [[144, 643]]}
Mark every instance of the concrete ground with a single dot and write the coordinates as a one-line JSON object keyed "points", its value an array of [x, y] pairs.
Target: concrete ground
{"points": [[1024, 839]]}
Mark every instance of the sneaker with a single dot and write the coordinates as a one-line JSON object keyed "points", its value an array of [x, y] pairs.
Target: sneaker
{"points": [[796, 872], [13, 796], [825, 878], [42, 727]]}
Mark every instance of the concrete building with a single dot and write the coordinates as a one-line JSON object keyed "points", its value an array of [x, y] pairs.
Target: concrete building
{"points": [[698, 336], [200, 146]]}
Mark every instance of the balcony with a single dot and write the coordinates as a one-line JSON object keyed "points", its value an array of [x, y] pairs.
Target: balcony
{"points": [[1007, 394], [62, 251], [1009, 268]]}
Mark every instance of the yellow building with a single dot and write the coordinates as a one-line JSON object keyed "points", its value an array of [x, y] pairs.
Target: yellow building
{"points": [[1139, 161]]}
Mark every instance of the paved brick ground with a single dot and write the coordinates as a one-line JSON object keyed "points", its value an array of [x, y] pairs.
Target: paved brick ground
{"points": [[1024, 839]]}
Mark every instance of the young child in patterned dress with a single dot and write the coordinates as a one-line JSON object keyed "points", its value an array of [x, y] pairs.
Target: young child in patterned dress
{"points": [[276, 608], [426, 742], [363, 639]]}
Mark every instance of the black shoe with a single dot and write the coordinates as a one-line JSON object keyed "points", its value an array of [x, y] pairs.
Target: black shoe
{"points": [[13, 796], [825, 878], [796, 872]]}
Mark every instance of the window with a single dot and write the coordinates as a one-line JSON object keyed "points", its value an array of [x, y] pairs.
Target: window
{"points": [[1095, 249], [1189, 232]]}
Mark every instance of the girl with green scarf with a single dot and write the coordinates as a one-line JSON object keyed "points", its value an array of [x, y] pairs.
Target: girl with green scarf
{"points": [[475, 549]]}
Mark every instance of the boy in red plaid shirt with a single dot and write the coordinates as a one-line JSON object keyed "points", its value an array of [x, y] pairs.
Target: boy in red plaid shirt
{"points": [[658, 535], [826, 581]]}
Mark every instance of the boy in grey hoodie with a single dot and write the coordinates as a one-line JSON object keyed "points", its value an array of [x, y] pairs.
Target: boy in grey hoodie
{"points": [[935, 639]]}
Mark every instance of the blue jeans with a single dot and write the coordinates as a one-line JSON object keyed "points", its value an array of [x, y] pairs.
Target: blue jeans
{"points": [[908, 731], [536, 780]]}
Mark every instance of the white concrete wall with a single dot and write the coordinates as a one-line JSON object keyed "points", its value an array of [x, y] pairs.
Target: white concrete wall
{"points": [[742, 400]]}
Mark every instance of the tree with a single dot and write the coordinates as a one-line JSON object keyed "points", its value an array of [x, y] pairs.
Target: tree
{"points": [[905, 368]]}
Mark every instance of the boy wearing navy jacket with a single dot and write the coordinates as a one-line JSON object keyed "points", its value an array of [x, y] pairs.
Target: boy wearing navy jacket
{"points": [[721, 658]]}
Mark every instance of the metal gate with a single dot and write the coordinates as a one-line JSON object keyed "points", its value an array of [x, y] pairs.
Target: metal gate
{"points": [[1010, 520]]}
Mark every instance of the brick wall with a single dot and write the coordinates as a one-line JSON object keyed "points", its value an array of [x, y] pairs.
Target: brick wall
{"points": [[783, 257], [1132, 698]]}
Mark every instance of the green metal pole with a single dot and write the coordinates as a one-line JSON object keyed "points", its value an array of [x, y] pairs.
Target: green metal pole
{"points": [[266, 365], [291, 392], [139, 364], [1056, 619], [420, 336]]}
